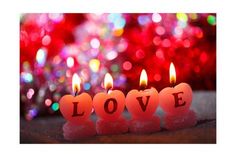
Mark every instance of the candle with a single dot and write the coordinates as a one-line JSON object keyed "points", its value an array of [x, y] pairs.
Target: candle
{"points": [[109, 107], [142, 105], [76, 109], [176, 102]]}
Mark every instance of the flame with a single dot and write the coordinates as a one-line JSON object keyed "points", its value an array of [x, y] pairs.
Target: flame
{"points": [[108, 81], [172, 73], [76, 84], [143, 79]]}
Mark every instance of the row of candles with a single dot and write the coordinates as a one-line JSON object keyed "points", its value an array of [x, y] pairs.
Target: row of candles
{"points": [[141, 104]]}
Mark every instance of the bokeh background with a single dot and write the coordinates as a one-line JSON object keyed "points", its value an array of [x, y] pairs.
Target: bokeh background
{"points": [[54, 46]]}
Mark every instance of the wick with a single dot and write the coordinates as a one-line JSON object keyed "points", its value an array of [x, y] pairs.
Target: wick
{"points": [[142, 87], [76, 93]]}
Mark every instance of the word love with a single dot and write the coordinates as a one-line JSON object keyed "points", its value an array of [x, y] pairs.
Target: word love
{"points": [[141, 104]]}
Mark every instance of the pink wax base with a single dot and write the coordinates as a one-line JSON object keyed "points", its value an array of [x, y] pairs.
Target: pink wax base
{"points": [[118, 126], [174, 122], [144, 126], [73, 131]]}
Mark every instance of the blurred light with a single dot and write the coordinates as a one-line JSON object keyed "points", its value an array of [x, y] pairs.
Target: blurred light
{"points": [[140, 54], [48, 102], [198, 32], [87, 86], [127, 65], [114, 68], [56, 60], [203, 57], [186, 43], [94, 65], [211, 20], [160, 55], [182, 24], [178, 31], [111, 55], [56, 17], [166, 43], [193, 16], [182, 17], [119, 23], [41, 57], [30, 93], [118, 32], [160, 30], [143, 19], [156, 17], [27, 77], [46, 40], [157, 77], [52, 87], [55, 106], [70, 62], [95, 43]]}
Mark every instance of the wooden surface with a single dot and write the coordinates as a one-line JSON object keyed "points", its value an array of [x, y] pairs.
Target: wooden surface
{"points": [[49, 129]]}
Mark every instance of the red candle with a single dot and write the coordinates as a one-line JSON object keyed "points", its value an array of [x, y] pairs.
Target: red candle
{"points": [[176, 101], [109, 107], [142, 105], [76, 109]]}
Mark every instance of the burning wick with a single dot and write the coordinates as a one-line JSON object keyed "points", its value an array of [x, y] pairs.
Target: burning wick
{"points": [[76, 84], [172, 74], [143, 80]]}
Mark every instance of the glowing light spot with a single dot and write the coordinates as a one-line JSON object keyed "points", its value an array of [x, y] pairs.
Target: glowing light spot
{"points": [[48, 102], [140, 54], [70, 62], [41, 57], [166, 43], [178, 31], [198, 32], [127, 65], [186, 43], [46, 40], [30, 93], [114, 67], [182, 17], [211, 20], [119, 23], [193, 16], [55, 106], [56, 17], [182, 24], [160, 54], [26, 77], [143, 19], [111, 55], [52, 87], [118, 32], [157, 40], [94, 65], [160, 30], [95, 43], [87, 86], [56, 60], [156, 17], [157, 77], [203, 57]]}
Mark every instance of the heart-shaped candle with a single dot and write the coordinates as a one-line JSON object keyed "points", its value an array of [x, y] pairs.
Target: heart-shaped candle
{"points": [[142, 104], [176, 99], [109, 105], [176, 102], [76, 109]]}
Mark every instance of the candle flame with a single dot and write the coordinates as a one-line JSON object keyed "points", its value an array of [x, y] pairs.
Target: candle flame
{"points": [[108, 81], [143, 79], [172, 73], [76, 84]]}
